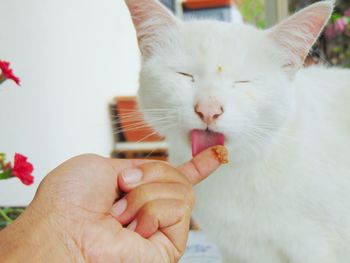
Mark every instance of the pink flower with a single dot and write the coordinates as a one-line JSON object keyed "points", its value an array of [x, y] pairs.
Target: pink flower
{"points": [[347, 12], [23, 169], [330, 31], [7, 73], [340, 24]]}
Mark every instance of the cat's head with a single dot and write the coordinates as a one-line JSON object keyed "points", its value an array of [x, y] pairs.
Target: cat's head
{"points": [[227, 78]]}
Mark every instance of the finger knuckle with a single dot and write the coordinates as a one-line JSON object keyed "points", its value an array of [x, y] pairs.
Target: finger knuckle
{"points": [[91, 157], [187, 209], [140, 193], [165, 169], [189, 195], [149, 210], [192, 197], [160, 167]]}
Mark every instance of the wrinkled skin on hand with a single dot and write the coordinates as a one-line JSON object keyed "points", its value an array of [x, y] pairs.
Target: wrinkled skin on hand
{"points": [[72, 211]]}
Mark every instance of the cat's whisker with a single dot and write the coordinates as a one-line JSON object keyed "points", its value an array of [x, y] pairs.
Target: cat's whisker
{"points": [[142, 113], [155, 132], [141, 117], [138, 116], [261, 133], [130, 120], [141, 128], [140, 120], [138, 113], [149, 155], [144, 128], [145, 110]]}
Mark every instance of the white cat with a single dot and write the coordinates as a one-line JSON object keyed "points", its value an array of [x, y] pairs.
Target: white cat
{"points": [[285, 195]]}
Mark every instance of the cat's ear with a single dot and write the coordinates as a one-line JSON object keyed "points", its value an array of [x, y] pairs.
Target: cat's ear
{"points": [[297, 34], [150, 19]]}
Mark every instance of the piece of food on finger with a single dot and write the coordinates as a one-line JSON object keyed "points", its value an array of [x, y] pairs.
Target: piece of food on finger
{"points": [[221, 154], [202, 140]]}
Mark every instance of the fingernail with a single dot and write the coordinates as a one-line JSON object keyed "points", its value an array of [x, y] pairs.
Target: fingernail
{"points": [[119, 207], [132, 176], [132, 226]]}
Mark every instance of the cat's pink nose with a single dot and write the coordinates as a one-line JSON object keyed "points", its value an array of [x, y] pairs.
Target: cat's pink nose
{"points": [[208, 112]]}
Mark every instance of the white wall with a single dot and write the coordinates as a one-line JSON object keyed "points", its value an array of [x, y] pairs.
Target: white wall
{"points": [[73, 57]]}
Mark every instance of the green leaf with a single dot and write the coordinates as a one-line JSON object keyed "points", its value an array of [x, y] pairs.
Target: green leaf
{"points": [[6, 175], [335, 16]]}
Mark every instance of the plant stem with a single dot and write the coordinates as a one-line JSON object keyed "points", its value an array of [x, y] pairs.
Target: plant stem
{"points": [[5, 216], [2, 78]]}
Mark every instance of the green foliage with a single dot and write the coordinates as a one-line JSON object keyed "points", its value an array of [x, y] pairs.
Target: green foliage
{"points": [[5, 169], [5, 174], [8, 215], [335, 17], [253, 11]]}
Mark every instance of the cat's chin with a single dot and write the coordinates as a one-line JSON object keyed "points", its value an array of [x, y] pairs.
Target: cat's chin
{"points": [[204, 139]]}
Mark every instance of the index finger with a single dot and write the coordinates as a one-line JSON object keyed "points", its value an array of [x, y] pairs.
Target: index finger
{"points": [[205, 163], [194, 171]]}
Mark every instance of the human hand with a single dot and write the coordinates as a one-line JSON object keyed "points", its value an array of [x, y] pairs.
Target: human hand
{"points": [[72, 210]]}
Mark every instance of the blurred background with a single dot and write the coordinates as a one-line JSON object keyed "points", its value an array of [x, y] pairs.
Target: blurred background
{"points": [[78, 62]]}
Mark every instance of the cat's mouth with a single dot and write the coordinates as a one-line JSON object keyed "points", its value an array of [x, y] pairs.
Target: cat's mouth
{"points": [[204, 139]]}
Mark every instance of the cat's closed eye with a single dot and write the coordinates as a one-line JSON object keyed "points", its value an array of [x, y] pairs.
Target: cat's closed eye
{"points": [[242, 81], [187, 75]]}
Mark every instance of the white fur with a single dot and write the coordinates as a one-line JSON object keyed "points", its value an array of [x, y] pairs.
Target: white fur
{"points": [[285, 195]]}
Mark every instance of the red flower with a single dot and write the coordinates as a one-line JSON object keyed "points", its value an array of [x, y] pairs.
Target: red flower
{"points": [[7, 72], [23, 169]]}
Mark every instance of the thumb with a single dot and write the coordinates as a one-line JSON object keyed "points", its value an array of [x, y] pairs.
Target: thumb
{"points": [[205, 163]]}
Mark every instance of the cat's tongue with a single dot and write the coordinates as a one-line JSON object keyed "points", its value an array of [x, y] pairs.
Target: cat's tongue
{"points": [[202, 140]]}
